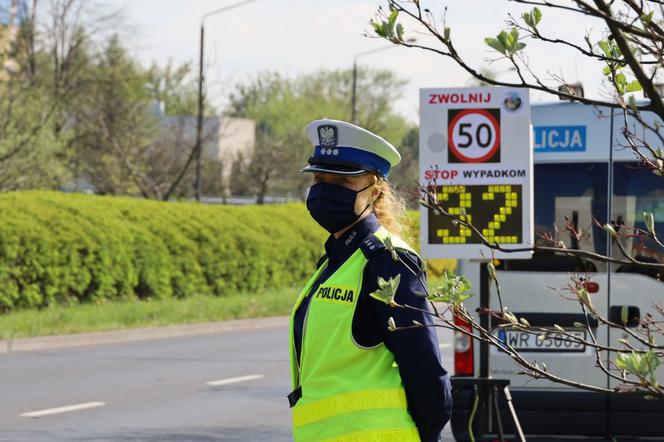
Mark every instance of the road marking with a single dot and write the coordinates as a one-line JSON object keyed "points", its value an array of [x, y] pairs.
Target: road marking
{"points": [[250, 377], [446, 345], [66, 409]]}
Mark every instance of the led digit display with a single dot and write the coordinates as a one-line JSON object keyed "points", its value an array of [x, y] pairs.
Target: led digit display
{"points": [[495, 210]]}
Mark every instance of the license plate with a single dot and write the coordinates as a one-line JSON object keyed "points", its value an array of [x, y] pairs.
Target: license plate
{"points": [[552, 342]]}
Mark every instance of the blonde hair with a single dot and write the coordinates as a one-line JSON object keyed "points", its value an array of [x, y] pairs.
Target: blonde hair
{"points": [[390, 208]]}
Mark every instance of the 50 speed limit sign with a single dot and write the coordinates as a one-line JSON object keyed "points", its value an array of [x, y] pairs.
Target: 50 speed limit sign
{"points": [[473, 136]]}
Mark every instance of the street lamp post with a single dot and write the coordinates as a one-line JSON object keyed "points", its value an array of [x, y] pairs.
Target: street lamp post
{"points": [[199, 122], [353, 104]]}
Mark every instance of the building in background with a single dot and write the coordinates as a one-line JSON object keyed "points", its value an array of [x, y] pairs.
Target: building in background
{"points": [[225, 140], [8, 28]]}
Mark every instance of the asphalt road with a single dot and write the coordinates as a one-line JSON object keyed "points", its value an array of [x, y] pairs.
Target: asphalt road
{"points": [[154, 390]]}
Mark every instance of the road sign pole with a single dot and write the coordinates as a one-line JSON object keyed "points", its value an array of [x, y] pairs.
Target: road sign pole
{"points": [[485, 322], [485, 318]]}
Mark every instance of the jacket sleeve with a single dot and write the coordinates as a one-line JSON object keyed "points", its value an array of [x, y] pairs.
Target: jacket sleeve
{"points": [[416, 351]]}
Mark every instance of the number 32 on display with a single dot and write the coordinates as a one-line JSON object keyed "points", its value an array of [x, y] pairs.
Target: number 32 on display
{"points": [[495, 210]]}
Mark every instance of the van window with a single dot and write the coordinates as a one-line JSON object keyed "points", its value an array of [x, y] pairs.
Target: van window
{"points": [[636, 190], [575, 192]]}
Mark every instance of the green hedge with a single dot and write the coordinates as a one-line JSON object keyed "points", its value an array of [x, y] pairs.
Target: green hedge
{"points": [[60, 248]]}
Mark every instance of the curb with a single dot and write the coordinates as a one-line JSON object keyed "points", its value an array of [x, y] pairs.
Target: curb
{"points": [[138, 334]]}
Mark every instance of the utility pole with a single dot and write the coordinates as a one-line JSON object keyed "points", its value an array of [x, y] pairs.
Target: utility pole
{"points": [[353, 112], [198, 148], [199, 121], [353, 99]]}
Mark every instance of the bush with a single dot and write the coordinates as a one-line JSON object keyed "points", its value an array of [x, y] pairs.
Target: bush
{"points": [[60, 248]]}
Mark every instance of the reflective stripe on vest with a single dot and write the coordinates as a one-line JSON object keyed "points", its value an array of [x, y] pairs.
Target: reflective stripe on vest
{"points": [[388, 435], [349, 402], [349, 393]]}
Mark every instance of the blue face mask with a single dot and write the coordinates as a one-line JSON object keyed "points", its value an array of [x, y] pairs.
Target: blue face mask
{"points": [[333, 206]]}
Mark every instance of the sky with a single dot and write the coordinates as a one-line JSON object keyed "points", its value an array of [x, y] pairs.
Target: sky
{"points": [[301, 36]]}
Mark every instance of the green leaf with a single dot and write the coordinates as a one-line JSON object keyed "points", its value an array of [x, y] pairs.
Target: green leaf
{"points": [[532, 18], [642, 365], [606, 71], [610, 230], [621, 361], [380, 28], [584, 298], [453, 289], [392, 18], [578, 325], [604, 46], [647, 18], [514, 37], [507, 43], [496, 44], [524, 322], [507, 39], [537, 15], [631, 101], [624, 314], [394, 282], [446, 33], [634, 86], [390, 247], [387, 290], [620, 81], [377, 27], [527, 18], [653, 361], [649, 219], [492, 271], [391, 325], [400, 32], [510, 317], [559, 328]]}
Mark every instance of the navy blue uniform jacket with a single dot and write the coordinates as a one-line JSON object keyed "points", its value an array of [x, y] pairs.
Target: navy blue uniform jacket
{"points": [[416, 351]]}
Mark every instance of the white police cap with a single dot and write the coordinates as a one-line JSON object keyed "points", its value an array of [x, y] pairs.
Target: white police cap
{"points": [[346, 149]]}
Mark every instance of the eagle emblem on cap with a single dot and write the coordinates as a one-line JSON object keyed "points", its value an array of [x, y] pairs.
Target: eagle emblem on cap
{"points": [[327, 135]]}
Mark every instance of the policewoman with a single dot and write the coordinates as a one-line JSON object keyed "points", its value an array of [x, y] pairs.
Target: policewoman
{"points": [[352, 378]]}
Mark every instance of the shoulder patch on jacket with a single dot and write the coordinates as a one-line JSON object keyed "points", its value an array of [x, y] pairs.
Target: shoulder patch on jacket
{"points": [[371, 245]]}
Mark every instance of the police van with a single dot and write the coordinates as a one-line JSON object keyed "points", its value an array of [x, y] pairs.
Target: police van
{"points": [[582, 170]]}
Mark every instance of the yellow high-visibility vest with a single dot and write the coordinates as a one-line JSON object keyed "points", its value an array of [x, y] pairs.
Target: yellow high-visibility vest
{"points": [[349, 392]]}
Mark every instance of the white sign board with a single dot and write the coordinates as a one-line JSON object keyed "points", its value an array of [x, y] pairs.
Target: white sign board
{"points": [[475, 147]]}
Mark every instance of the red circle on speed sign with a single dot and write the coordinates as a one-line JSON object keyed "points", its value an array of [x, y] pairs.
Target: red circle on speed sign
{"points": [[468, 124]]}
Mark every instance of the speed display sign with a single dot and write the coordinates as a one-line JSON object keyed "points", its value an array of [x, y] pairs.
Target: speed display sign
{"points": [[475, 150]]}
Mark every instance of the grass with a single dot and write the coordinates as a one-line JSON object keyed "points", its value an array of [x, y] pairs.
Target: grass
{"points": [[82, 318]]}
